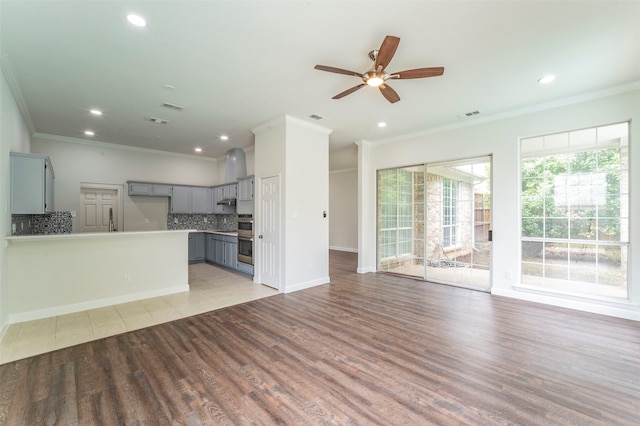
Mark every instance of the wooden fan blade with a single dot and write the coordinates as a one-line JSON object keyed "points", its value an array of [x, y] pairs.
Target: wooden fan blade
{"points": [[349, 91], [386, 51], [389, 93], [419, 73], [337, 70]]}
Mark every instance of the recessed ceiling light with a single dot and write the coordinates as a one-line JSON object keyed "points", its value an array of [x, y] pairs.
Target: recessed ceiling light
{"points": [[224, 138], [136, 20], [547, 79], [95, 111], [89, 133], [198, 149], [382, 124]]}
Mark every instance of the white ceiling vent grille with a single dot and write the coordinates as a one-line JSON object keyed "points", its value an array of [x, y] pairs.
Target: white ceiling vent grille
{"points": [[156, 120], [172, 106], [469, 114]]}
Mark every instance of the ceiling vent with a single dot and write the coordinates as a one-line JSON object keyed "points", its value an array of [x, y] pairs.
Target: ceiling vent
{"points": [[469, 114], [156, 120], [172, 106], [316, 117]]}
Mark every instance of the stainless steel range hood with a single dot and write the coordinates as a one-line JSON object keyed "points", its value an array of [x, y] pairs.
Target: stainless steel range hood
{"points": [[236, 166], [227, 202]]}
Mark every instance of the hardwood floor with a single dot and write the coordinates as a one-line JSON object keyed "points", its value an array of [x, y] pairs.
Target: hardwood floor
{"points": [[365, 349]]}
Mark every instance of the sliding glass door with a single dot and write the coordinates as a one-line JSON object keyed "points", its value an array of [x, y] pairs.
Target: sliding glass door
{"points": [[434, 222]]}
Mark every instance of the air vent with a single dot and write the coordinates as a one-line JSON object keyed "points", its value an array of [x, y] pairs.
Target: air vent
{"points": [[469, 114], [156, 120], [172, 106], [316, 117]]}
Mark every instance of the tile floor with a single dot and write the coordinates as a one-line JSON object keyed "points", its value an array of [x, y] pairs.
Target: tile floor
{"points": [[210, 288]]}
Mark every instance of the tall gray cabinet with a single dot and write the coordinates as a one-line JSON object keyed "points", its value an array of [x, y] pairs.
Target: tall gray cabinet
{"points": [[31, 184]]}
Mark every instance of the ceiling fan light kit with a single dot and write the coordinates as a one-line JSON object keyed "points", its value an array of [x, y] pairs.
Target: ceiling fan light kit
{"points": [[377, 75]]}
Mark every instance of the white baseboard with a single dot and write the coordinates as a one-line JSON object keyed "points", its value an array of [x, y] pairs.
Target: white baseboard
{"points": [[3, 331], [308, 284], [93, 304], [350, 250], [630, 312], [366, 270]]}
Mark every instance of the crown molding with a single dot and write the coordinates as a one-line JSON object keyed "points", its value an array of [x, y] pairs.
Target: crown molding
{"points": [[12, 82], [516, 112], [98, 144]]}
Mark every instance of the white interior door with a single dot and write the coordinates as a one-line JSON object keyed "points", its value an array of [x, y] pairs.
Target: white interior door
{"points": [[95, 204], [268, 261]]}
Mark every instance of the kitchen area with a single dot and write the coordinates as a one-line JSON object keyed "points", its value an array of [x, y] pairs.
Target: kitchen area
{"points": [[207, 229]]}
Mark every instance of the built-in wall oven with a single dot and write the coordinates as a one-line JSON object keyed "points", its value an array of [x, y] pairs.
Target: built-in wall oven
{"points": [[245, 238]]}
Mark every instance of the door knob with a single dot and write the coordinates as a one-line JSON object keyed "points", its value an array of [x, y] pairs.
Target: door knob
{"points": [[260, 236]]}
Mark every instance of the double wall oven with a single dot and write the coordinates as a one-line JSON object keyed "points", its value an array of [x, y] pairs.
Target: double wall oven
{"points": [[245, 238]]}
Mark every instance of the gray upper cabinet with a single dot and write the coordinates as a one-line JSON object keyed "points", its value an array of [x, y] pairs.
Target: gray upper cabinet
{"points": [[201, 200], [245, 196], [245, 189], [181, 199], [31, 184], [150, 189], [191, 199]]}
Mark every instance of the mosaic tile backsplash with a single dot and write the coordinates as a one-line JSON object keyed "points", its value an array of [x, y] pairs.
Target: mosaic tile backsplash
{"points": [[38, 224], [203, 222]]}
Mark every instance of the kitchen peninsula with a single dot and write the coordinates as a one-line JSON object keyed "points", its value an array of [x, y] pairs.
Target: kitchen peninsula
{"points": [[62, 273]]}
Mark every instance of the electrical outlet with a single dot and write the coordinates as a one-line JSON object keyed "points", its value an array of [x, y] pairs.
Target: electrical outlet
{"points": [[127, 278], [175, 220], [205, 219], [146, 220], [508, 276]]}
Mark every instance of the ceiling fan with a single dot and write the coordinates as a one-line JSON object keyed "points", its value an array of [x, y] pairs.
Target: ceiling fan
{"points": [[377, 75]]}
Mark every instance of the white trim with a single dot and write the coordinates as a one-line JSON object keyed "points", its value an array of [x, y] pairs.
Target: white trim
{"points": [[308, 284], [348, 249], [118, 146], [515, 113], [352, 169], [94, 304], [12, 82], [366, 270], [630, 313]]}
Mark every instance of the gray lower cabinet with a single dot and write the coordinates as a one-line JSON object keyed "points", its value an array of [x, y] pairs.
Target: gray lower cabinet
{"points": [[197, 248], [222, 250]]}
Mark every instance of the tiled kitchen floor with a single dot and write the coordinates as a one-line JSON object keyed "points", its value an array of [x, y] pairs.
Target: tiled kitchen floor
{"points": [[210, 288]]}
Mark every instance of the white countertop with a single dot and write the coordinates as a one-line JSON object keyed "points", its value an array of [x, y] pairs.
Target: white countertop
{"points": [[229, 233], [84, 235]]}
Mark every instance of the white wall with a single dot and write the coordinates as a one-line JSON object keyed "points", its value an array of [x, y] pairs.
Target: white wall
{"points": [[343, 210], [76, 161], [307, 238], [284, 148], [87, 271], [500, 139], [14, 136]]}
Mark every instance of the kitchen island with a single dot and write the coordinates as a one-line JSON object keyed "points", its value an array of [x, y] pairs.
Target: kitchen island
{"points": [[63, 273]]}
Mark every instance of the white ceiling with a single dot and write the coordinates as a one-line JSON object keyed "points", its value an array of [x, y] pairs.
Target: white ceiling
{"points": [[238, 64]]}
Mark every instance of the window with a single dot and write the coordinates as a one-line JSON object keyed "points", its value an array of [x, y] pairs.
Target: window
{"points": [[395, 221], [574, 211], [449, 212]]}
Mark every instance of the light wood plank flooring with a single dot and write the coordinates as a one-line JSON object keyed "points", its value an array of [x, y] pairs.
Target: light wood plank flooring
{"points": [[365, 349]]}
